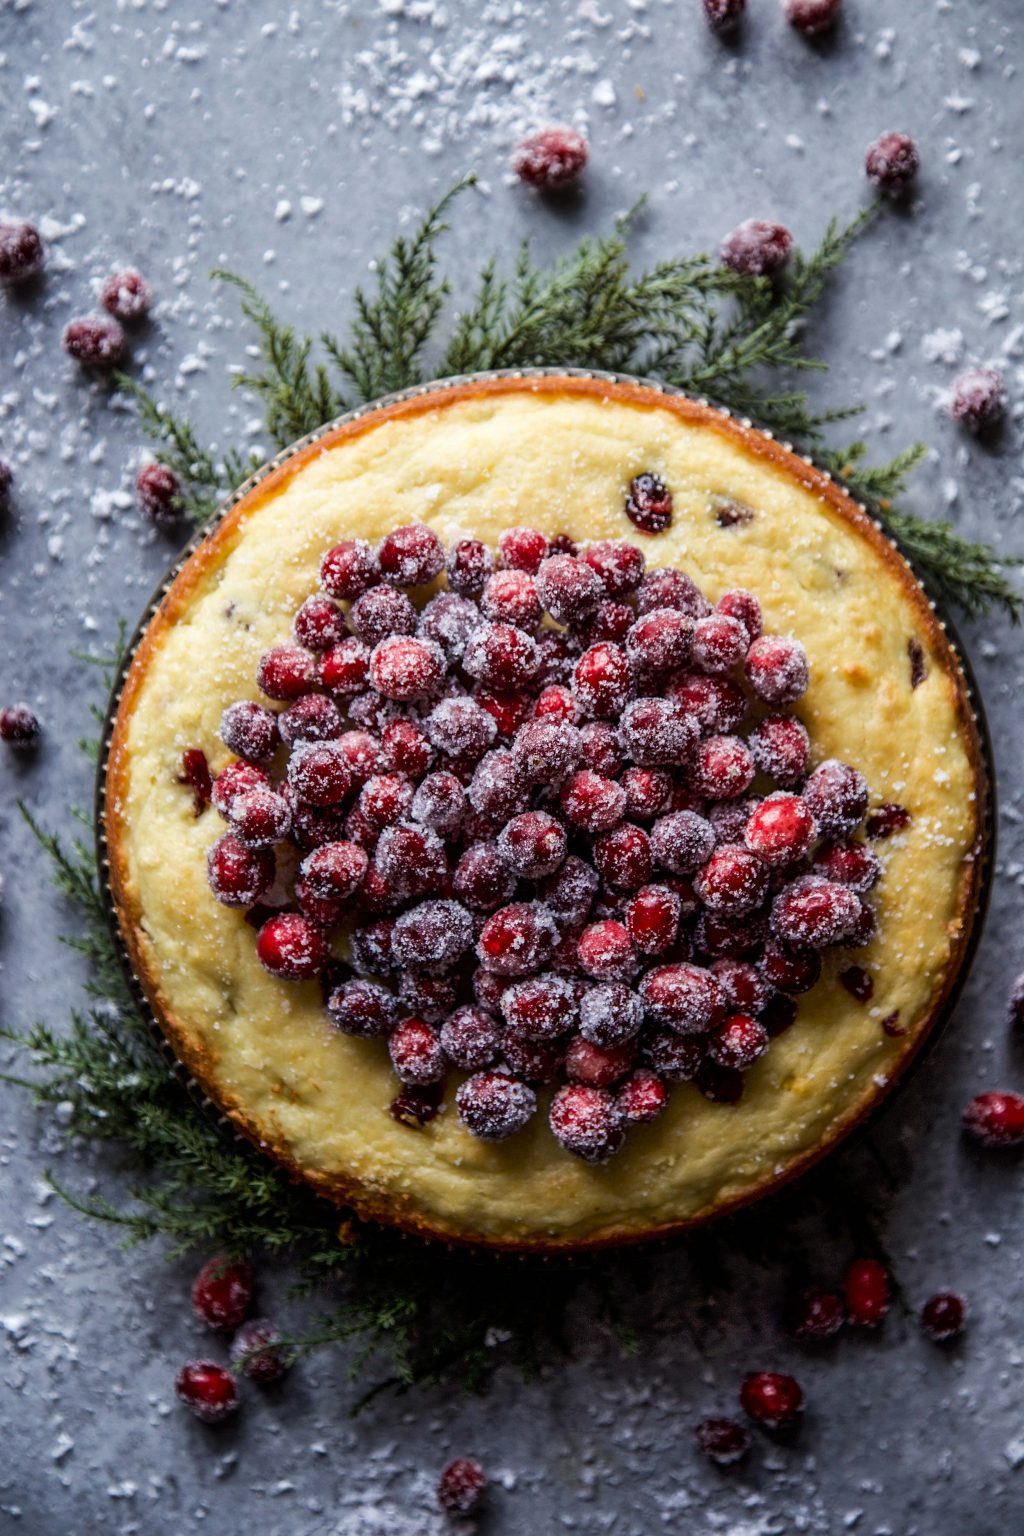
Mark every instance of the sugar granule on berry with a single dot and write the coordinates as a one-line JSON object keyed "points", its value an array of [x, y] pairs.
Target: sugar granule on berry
{"points": [[256, 1351], [207, 1390], [546, 751], [461, 1486], [772, 1399], [586, 1121], [95, 341], [757, 248], [363, 1008], [836, 795], [19, 726], [660, 641], [461, 728], [598, 1066], [977, 398], [610, 1014], [405, 668], [126, 295], [552, 159], [657, 732], [291, 947], [601, 681], [996, 1119], [722, 1441], [222, 1292], [652, 918], [568, 588], [777, 669], [605, 951], [493, 1105], [410, 556], [892, 162]]}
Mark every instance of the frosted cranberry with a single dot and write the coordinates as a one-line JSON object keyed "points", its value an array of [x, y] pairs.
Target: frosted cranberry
{"points": [[440, 803], [744, 607], [648, 793], [570, 892], [427, 995], [222, 1293], [738, 1042], [349, 569], [642, 1097], [405, 748], [537, 1062], [362, 754], [256, 1351], [743, 987], [717, 704], [493, 1106], [837, 797], [380, 894], [461, 1486], [382, 613], [335, 870], [813, 913], [757, 248], [552, 159], [95, 341], [772, 1399], [415, 1051], [158, 493], [345, 668], [325, 912], [777, 669], [522, 549], [977, 398], [601, 681], [449, 620], [685, 997], [780, 747], [433, 934], [532, 844], [682, 841], [507, 710], [207, 1390], [592, 802], [568, 588], [623, 857], [496, 788], [517, 939], [649, 503], [818, 1314], [608, 621], [605, 951], [618, 565], [482, 880], [596, 1065], [501, 656], [652, 919], [849, 864], [557, 654], [790, 970], [943, 1317], [470, 1038], [289, 946], [510, 597], [892, 162], [666, 587], [259, 818], [610, 1014], [812, 17], [733, 881], [249, 730], [722, 1441], [545, 751], [724, 936], [555, 705], [719, 643], [460, 728], [540, 1008], [996, 1119], [600, 746], [673, 1056], [410, 556], [586, 1121], [126, 295], [660, 641], [19, 727], [318, 773], [410, 858], [404, 668], [724, 767], [780, 830], [867, 1292], [238, 876], [311, 718], [286, 672], [22, 253], [384, 799], [469, 564], [319, 624], [363, 1008], [656, 732]]}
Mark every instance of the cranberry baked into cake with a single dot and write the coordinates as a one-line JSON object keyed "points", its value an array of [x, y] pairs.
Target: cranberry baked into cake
{"points": [[545, 812]]}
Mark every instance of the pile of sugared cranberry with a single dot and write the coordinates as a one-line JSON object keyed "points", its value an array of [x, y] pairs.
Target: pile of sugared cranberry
{"points": [[560, 812]]}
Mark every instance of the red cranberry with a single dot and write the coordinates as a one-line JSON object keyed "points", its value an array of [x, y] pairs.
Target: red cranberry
{"points": [[440, 803], [601, 682], [598, 1066], [410, 556], [849, 864], [722, 1441], [501, 656], [461, 728], [610, 1015], [19, 727], [363, 1008], [404, 668], [384, 799], [592, 802], [733, 881], [790, 970], [381, 612], [780, 830], [291, 947], [837, 797], [685, 997], [222, 1293], [449, 620], [555, 704], [410, 858], [996, 1119], [349, 569], [552, 159], [311, 718], [22, 253], [780, 747], [866, 1289], [510, 597], [195, 772], [249, 730], [772, 1399], [335, 870], [618, 565], [600, 748], [482, 880], [570, 892], [623, 857], [260, 817], [546, 751], [660, 641], [682, 841], [539, 1008], [649, 503], [517, 939], [743, 606], [652, 919], [470, 1038], [818, 1314], [586, 1121], [657, 732], [777, 669], [943, 1317], [95, 341], [319, 624], [727, 937], [813, 913], [744, 988], [345, 667], [416, 1054], [126, 295], [158, 493], [673, 1056], [522, 549], [318, 773], [208, 1390], [648, 793], [886, 821], [738, 1042], [532, 844], [324, 912], [715, 703], [666, 587], [256, 1351], [892, 162], [977, 398], [605, 951], [568, 588], [757, 248], [724, 768], [404, 748], [719, 643], [430, 996], [492, 1105], [286, 672], [812, 17], [507, 710], [238, 876], [642, 1097], [469, 564], [496, 788], [433, 935]]}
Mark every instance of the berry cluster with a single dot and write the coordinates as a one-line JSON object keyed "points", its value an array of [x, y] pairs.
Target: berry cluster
{"points": [[567, 795], [222, 1296]]}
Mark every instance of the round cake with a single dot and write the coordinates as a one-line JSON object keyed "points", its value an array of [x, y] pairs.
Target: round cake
{"points": [[544, 812]]}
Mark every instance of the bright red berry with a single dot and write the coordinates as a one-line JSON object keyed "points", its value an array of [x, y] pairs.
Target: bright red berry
{"points": [[415, 1051], [777, 669], [652, 919], [222, 1292], [780, 830], [239, 876], [943, 1316], [410, 556], [605, 951], [649, 503], [772, 1399], [866, 1288], [996, 1119], [290, 946], [733, 881], [522, 549], [586, 1121], [349, 569], [208, 1390], [738, 1042], [469, 564], [642, 1097], [517, 939]]}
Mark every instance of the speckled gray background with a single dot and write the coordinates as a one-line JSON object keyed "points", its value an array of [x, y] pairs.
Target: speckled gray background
{"points": [[289, 142]]}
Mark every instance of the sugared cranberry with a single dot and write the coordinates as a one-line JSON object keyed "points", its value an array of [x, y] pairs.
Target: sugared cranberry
{"points": [[743, 606], [290, 946], [598, 1066], [256, 1350], [19, 727], [482, 879], [319, 624], [813, 913], [510, 597], [682, 841], [517, 939], [345, 667], [726, 937], [427, 994], [470, 1038], [540, 1008], [556, 704], [892, 162], [777, 669], [381, 612], [601, 681], [260, 817], [610, 1014], [507, 710], [417, 1106], [318, 773], [570, 892], [977, 398], [586, 1121], [943, 1316], [94, 341], [757, 248], [743, 986], [592, 802], [673, 1056], [532, 844], [568, 588], [249, 730], [642, 1097], [996, 1119], [652, 919], [324, 912], [605, 951], [724, 768], [440, 803], [850, 864], [648, 792], [384, 799], [207, 1390], [659, 642], [780, 830], [195, 772], [449, 620], [685, 997], [492, 1105], [461, 728], [715, 703], [522, 549], [722, 1441], [867, 1292], [496, 788], [363, 1008], [238, 876], [552, 159], [158, 493], [311, 718], [738, 1042], [818, 1314], [410, 858], [405, 748], [433, 935], [537, 1062], [469, 564], [780, 747], [286, 672], [22, 253], [618, 565], [623, 857], [410, 556], [335, 870], [790, 970], [772, 1399], [501, 656], [126, 295], [837, 797], [416, 1054], [733, 881], [666, 587], [600, 746], [405, 668], [657, 732], [719, 643], [812, 17], [222, 1293], [349, 569], [649, 503], [546, 751]]}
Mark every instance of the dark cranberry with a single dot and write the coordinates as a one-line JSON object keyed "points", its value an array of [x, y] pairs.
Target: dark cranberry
{"points": [[779, 1014], [857, 982], [324, 912], [440, 803], [837, 797], [222, 1293], [311, 718], [249, 730], [849, 864], [469, 564], [652, 919], [239, 876], [570, 892], [818, 1314], [289, 946], [673, 1056], [726, 937], [363, 1008], [996, 1119], [605, 951], [540, 1008], [318, 773], [405, 668], [461, 1486], [405, 748], [380, 613], [461, 728], [623, 857], [599, 1066], [610, 1014], [501, 656], [510, 597], [522, 549], [601, 681], [586, 1121], [335, 870], [545, 751], [158, 493], [95, 341], [260, 817], [449, 620], [724, 768], [866, 1289], [410, 858], [738, 1042], [812, 17], [790, 970], [417, 1106], [496, 788], [410, 556], [887, 820], [381, 894], [682, 841], [733, 881], [618, 565], [722, 1441], [649, 503], [416, 1054], [433, 935], [600, 746], [743, 986], [552, 159], [892, 162], [126, 295], [659, 642], [656, 732], [470, 1038], [943, 1317], [286, 672], [492, 1105], [557, 653], [642, 1097], [977, 398], [568, 588], [482, 880], [780, 830], [507, 710], [666, 587], [207, 1390], [532, 844], [538, 1062], [195, 772], [719, 643], [22, 253], [715, 703], [517, 939], [256, 1351], [772, 1399], [349, 569], [608, 621], [757, 248], [19, 727], [780, 747], [430, 996], [813, 913], [685, 997], [777, 669]]}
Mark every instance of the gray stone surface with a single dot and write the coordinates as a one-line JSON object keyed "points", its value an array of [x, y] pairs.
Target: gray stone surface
{"points": [[289, 141]]}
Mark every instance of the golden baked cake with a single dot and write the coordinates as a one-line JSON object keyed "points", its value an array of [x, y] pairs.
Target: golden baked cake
{"points": [[545, 812]]}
